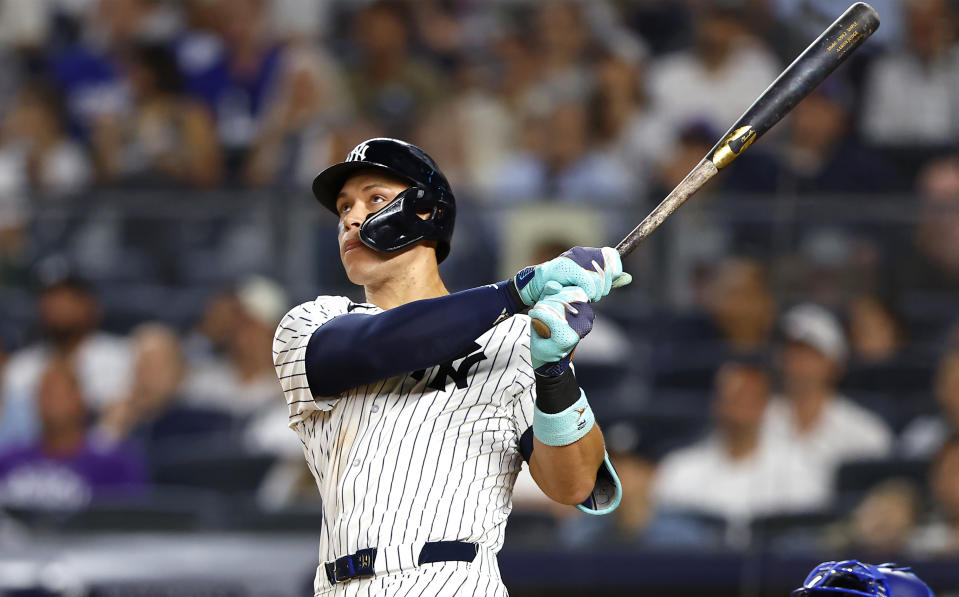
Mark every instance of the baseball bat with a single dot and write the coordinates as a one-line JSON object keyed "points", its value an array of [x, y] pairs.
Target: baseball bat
{"points": [[816, 62]]}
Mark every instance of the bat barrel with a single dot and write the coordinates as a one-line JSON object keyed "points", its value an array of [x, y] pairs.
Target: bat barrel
{"points": [[806, 72], [822, 57]]}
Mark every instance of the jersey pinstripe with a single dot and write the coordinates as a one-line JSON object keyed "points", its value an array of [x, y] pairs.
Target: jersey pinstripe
{"points": [[426, 456]]}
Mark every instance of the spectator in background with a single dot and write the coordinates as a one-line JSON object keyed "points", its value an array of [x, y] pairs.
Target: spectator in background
{"points": [[234, 75], [876, 333], [911, 93], [36, 153], [567, 167], [638, 522], [745, 476], [152, 411], [625, 128], [88, 71], [209, 341], [923, 436], [69, 315], [940, 536], [390, 87], [718, 78], [64, 469], [937, 233], [741, 305], [563, 40], [298, 127], [821, 157], [882, 524], [738, 316], [811, 423], [166, 138], [245, 382]]}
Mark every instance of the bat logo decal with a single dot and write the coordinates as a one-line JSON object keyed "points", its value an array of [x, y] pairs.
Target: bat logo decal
{"points": [[733, 145]]}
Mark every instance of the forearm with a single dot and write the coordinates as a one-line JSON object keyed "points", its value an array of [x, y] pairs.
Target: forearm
{"points": [[568, 446], [356, 349], [567, 474]]}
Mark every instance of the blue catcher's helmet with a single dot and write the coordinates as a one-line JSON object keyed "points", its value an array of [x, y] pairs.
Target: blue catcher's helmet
{"points": [[397, 225], [852, 578]]}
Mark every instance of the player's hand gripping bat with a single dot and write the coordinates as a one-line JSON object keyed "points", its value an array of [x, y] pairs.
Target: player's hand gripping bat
{"points": [[822, 57]]}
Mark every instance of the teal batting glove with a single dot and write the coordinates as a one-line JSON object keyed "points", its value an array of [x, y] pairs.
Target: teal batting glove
{"points": [[568, 315], [594, 271]]}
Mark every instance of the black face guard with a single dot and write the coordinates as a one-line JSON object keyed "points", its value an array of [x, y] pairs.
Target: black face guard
{"points": [[398, 225]]}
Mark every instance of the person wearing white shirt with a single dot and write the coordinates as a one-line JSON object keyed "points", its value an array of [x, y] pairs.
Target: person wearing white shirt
{"points": [[69, 316], [735, 472], [811, 422]]}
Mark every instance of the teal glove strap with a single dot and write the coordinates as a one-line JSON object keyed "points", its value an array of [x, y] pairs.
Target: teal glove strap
{"points": [[564, 428]]}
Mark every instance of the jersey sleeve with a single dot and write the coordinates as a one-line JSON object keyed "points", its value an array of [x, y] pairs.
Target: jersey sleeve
{"points": [[289, 354]]}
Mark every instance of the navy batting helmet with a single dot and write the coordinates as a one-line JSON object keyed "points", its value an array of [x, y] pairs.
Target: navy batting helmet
{"points": [[397, 225], [852, 578]]}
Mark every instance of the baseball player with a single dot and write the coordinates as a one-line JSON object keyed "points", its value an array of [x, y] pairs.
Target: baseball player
{"points": [[854, 579], [416, 408]]}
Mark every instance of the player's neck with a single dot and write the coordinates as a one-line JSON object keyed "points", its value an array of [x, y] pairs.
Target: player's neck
{"points": [[420, 280]]}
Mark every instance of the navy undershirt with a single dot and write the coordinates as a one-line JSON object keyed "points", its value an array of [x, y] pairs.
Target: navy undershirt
{"points": [[356, 349]]}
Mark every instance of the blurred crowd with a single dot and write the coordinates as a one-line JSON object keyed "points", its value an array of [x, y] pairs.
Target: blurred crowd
{"points": [[811, 399]]}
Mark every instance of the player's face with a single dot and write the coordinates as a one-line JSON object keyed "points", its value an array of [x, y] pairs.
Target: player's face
{"points": [[364, 194]]}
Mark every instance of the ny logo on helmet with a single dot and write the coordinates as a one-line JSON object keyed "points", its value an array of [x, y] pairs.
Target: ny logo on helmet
{"points": [[359, 153]]}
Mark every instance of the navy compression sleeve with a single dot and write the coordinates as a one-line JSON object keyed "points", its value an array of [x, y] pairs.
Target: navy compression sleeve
{"points": [[359, 348]]}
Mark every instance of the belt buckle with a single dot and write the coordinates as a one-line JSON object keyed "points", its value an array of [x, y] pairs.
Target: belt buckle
{"points": [[354, 566]]}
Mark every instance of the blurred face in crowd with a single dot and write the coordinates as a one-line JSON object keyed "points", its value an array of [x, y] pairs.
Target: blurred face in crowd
{"points": [[122, 18], [381, 31], [717, 33], [563, 36], [567, 135], [806, 370], [929, 26], [818, 123], [67, 315], [947, 388], [873, 332], [741, 395], [159, 365], [60, 402], [945, 480], [636, 476], [251, 345], [938, 232], [33, 118], [741, 303], [364, 194], [884, 520], [219, 319], [242, 22]]}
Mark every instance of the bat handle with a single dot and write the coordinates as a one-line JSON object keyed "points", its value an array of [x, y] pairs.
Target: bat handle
{"points": [[540, 328], [699, 175]]}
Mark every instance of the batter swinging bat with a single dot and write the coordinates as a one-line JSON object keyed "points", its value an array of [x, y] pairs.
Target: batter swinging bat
{"points": [[802, 76]]}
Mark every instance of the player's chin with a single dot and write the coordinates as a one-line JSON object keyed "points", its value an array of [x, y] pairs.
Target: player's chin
{"points": [[361, 265]]}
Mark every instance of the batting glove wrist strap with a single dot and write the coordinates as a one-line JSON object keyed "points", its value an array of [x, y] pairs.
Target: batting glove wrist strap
{"points": [[566, 427]]}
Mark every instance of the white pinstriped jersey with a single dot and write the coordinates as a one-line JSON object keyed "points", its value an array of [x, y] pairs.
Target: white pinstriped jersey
{"points": [[425, 456]]}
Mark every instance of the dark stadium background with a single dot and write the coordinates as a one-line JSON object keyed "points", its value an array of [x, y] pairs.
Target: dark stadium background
{"points": [[156, 221]]}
